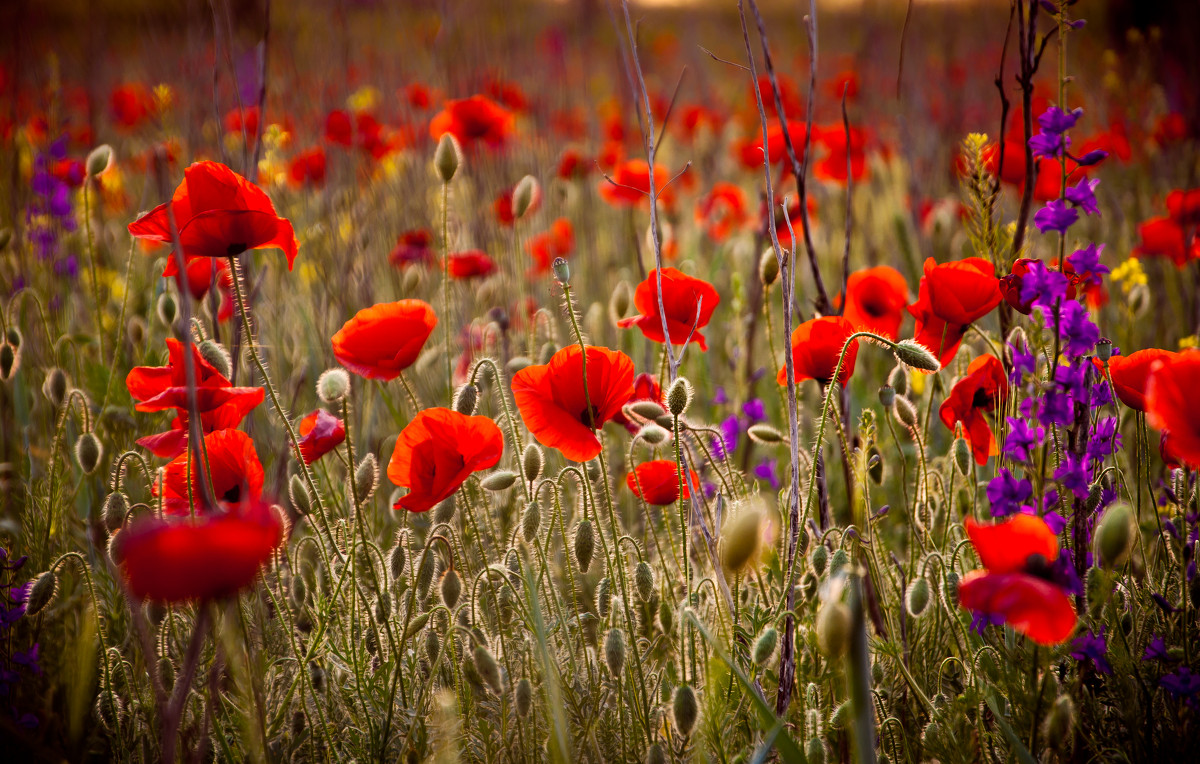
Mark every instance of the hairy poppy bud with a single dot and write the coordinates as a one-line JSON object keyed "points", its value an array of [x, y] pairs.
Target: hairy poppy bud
{"points": [[298, 493], [415, 626], [905, 413], [916, 599], [603, 597], [366, 477], [653, 434], [433, 645], [679, 396], [1104, 349], [451, 587], [765, 434], [914, 354], [562, 270], [217, 357], [619, 301], [444, 511], [316, 675], [499, 480], [614, 651], [833, 629], [764, 646], [524, 699], [55, 387], [116, 506], [466, 399], [108, 709], [809, 584], [962, 456], [898, 379], [740, 537], [819, 559], [950, 586], [666, 617], [524, 194], [814, 751], [41, 594], [425, 574], [166, 309], [447, 157], [685, 709], [585, 544], [841, 717], [1060, 723], [489, 670], [643, 580], [299, 591], [647, 410], [99, 160], [533, 460], [1114, 536], [592, 468], [838, 560], [9, 358], [88, 451], [655, 754], [768, 267], [531, 521], [116, 548]]}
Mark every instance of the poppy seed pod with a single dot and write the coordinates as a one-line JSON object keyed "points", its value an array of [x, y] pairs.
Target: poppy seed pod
{"points": [[88, 451], [489, 670], [887, 395], [666, 617], [1114, 536], [614, 651], [962, 456], [562, 270], [768, 267], [99, 160], [466, 399], [603, 597], [916, 599], [819, 559], [685, 709], [914, 354], [524, 697], [679, 396], [764, 646], [1104, 348], [585, 545], [447, 157], [116, 506], [366, 477], [451, 587], [8, 361], [41, 594], [526, 190], [643, 580], [904, 411], [298, 493], [765, 434], [533, 460], [55, 387], [740, 537], [333, 385], [499, 480], [217, 357], [833, 629], [166, 309]]}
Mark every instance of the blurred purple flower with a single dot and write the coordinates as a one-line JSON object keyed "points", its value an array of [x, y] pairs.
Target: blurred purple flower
{"points": [[1083, 195], [1055, 216], [1092, 647]]}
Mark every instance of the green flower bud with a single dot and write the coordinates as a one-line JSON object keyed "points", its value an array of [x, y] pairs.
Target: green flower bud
{"points": [[833, 629], [768, 267], [55, 387], [466, 399], [444, 511], [298, 493], [524, 195], [489, 670], [819, 559], [1115, 536], [764, 646], [614, 651], [217, 357], [99, 160], [685, 709], [116, 506], [904, 411], [88, 451], [765, 434], [643, 580], [531, 521], [425, 574], [653, 434], [915, 355], [9, 361], [741, 536], [366, 477], [333, 385], [838, 560], [499, 480], [1060, 723], [666, 617], [299, 591], [41, 594], [167, 309], [962, 456], [916, 599], [447, 157], [603, 597], [898, 379], [451, 587], [618, 303], [679, 396], [814, 751], [585, 545], [524, 698], [648, 410], [655, 754], [533, 462]]}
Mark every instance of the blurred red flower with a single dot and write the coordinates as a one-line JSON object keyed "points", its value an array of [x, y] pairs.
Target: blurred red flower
{"points": [[415, 246], [383, 340], [631, 184], [544, 247], [689, 303], [1165, 237], [657, 482], [132, 105], [308, 168], [473, 121], [816, 346], [470, 264], [1170, 406], [234, 470], [437, 451], [723, 210]]}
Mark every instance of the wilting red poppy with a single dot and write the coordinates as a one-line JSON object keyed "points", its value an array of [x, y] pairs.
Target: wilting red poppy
{"points": [[560, 411], [816, 346], [131, 105], [218, 213], [657, 482], [1165, 237], [1170, 406], [437, 451], [320, 432], [1130, 373], [689, 302], [544, 247], [723, 210], [631, 184], [470, 264], [415, 246], [234, 470], [472, 121], [383, 340], [308, 168], [876, 300], [1017, 586], [981, 390], [200, 558], [645, 388], [951, 297]]}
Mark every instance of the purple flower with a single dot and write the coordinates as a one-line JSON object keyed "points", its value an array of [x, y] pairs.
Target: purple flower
{"points": [[1006, 493], [1157, 651], [1055, 216], [1076, 329], [1056, 522], [1021, 439], [1101, 396], [1073, 379], [1023, 362], [1048, 145], [719, 397], [765, 470], [1073, 474], [1087, 263], [1042, 286], [728, 442], [755, 410], [1092, 647], [1083, 195], [1092, 158], [1181, 683], [1105, 439], [1055, 121], [983, 620], [1058, 407]]}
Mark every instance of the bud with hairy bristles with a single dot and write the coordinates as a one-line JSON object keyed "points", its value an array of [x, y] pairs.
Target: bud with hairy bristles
{"points": [[666, 617], [809, 584], [533, 461], [116, 547], [489, 670], [447, 157], [1060, 723], [55, 387], [819, 559], [905, 412], [916, 599], [768, 267], [603, 597], [466, 399], [116, 506], [898, 379], [614, 651], [299, 591], [333, 385], [451, 587], [217, 357], [524, 697], [499, 480], [366, 477], [444, 511], [88, 451], [814, 751], [914, 354], [837, 561], [653, 434], [41, 594], [679, 396], [618, 303], [764, 646], [425, 574], [833, 629], [166, 309], [685, 709], [531, 521], [765, 434], [1115, 536], [99, 160], [9, 361], [740, 539], [585, 544], [643, 580], [298, 493], [655, 754], [433, 645], [962, 456], [649, 410], [525, 193]]}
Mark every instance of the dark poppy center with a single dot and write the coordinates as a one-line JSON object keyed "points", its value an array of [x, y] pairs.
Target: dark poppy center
{"points": [[233, 495], [982, 399], [235, 249], [875, 308], [590, 417], [1039, 567]]}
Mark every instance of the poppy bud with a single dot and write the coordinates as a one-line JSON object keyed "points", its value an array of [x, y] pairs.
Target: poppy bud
{"points": [[841, 717], [41, 594], [108, 709], [116, 548], [411, 282], [298, 492], [1060, 723], [666, 617], [136, 329], [447, 157], [768, 267], [914, 354], [88, 451], [316, 675], [647, 410], [592, 468], [451, 587], [1104, 349], [8, 361], [562, 270], [643, 580], [499, 480], [679, 396], [684, 709], [366, 477], [372, 641], [819, 559], [916, 599], [904, 411], [809, 584], [533, 460], [814, 751], [333, 385], [1139, 300], [585, 544], [298, 723], [466, 399], [425, 574], [740, 537], [1114, 536], [524, 699], [838, 560], [765, 434], [655, 754], [444, 511], [489, 670], [115, 508], [764, 646], [433, 645], [526, 190], [833, 629], [950, 586], [603, 597], [875, 464], [962, 456], [887, 395], [618, 303], [415, 626], [55, 387], [614, 651], [99, 160], [299, 591], [531, 521], [166, 671], [166, 309], [217, 357]]}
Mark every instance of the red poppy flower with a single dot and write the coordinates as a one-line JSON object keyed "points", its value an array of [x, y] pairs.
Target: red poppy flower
{"points": [[436, 453], [951, 297], [984, 386], [749, 152], [1130, 373], [1170, 128], [1170, 406], [1013, 171], [845, 158], [689, 302], [201, 272], [645, 388], [1164, 237], [816, 346], [544, 247], [233, 468], [200, 558], [339, 128], [876, 301], [557, 407], [657, 482], [470, 264], [508, 93], [131, 104], [793, 104], [722, 211], [383, 340], [1010, 285], [320, 432], [1016, 586], [502, 207], [1184, 206], [308, 168], [417, 95], [415, 246], [218, 213], [572, 165], [245, 119], [472, 121], [782, 230], [631, 184]]}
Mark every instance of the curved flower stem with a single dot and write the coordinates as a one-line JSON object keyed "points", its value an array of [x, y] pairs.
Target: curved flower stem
{"points": [[112, 368], [87, 223]]}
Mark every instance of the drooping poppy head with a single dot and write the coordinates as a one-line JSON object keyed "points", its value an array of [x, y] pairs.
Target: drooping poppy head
{"points": [[816, 347], [875, 300], [320, 432], [470, 264], [984, 386], [723, 210], [235, 473], [689, 303], [437, 451], [631, 184], [474, 121], [1130, 374], [209, 556], [1170, 406], [218, 213], [645, 388], [657, 482], [383, 340], [560, 410]]}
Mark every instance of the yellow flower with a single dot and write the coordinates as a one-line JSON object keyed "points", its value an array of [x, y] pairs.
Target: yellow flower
{"points": [[364, 99], [1129, 274], [1189, 342]]}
